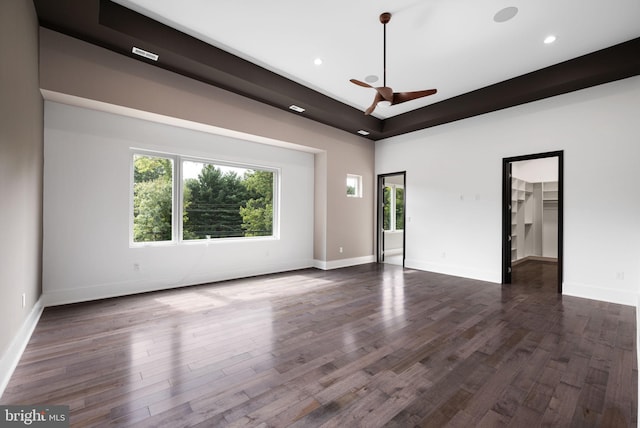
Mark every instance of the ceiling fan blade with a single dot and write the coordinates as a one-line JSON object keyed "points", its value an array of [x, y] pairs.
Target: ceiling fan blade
{"points": [[401, 97], [360, 83], [376, 100], [386, 93]]}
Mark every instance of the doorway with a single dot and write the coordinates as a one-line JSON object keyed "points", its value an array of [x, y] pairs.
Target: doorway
{"points": [[391, 218], [532, 213]]}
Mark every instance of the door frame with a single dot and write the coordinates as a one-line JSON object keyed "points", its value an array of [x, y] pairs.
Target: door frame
{"points": [[506, 211], [380, 213]]}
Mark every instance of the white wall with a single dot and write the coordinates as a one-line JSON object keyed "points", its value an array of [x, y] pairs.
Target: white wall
{"points": [[454, 187], [86, 253], [393, 241], [536, 170]]}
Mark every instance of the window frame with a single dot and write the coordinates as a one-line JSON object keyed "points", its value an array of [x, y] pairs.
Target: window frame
{"points": [[177, 204], [156, 154]]}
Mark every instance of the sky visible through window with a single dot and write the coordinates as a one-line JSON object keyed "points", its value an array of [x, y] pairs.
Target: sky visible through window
{"points": [[191, 169]]}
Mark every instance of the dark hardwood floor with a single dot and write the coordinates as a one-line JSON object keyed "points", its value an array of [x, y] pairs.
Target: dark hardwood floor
{"points": [[373, 345]]}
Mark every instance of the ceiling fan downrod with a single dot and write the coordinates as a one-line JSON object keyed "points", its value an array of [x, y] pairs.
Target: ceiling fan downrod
{"points": [[384, 19]]}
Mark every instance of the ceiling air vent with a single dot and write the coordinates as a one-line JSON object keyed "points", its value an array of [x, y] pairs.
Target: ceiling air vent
{"points": [[146, 54]]}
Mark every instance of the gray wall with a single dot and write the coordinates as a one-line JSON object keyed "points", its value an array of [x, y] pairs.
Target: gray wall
{"points": [[21, 148]]}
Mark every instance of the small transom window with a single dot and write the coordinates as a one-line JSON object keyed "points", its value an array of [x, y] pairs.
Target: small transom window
{"points": [[354, 186]]}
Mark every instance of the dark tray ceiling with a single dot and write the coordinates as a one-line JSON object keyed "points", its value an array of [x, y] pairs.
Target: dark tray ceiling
{"points": [[114, 27]]}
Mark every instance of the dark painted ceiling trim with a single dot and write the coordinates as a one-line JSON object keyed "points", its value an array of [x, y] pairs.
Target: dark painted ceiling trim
{"points": [[116, 28], [607, 65]]}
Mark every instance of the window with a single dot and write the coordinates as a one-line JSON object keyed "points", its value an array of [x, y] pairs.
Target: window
{"points": [[216, 200], [393, 207], [226, 202], [152, 198], [354, 186], [399, 208]]}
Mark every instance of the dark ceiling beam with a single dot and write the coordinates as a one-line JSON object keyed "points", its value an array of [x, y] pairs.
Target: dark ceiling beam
{"points": [[187, 55], [109, 25], [617, 62]]}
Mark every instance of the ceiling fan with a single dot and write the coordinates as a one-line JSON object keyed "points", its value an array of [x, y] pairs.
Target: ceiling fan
{"points": [[385, 93]]}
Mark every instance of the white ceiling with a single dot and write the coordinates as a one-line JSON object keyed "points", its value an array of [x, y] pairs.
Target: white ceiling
{"points": [[452, 45]]}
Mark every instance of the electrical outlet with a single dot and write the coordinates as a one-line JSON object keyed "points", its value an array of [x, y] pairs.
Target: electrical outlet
{"points": [[340, 249], [24, 300], [620, 275], [136, 267]]}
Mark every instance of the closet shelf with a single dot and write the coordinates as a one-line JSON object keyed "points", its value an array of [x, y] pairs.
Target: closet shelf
{"points": [[530, 203]]}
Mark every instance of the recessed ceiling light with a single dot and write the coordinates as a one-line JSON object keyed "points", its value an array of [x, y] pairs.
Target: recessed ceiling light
{"points": [[549, 39], [143, 53], [296, 108], [503, 15], [317, 61], [363, 132]]}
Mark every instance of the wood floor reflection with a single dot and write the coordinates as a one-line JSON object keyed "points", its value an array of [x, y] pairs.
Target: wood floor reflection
{"points": [[373, 345]]}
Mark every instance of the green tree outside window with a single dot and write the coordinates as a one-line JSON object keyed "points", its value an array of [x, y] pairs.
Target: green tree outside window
{"points": [[217, 201], [152, 199], [393, 208]]}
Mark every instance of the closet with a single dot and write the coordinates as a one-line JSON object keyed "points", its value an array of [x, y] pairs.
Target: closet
{"points": [[534, 211]]}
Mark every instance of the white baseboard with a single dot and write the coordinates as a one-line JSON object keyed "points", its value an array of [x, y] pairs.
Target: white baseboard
{"points": [[461, 271], [124, 288], [12, 356], [610, 295], [393, 252], [336, 264], [534, 258]]}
